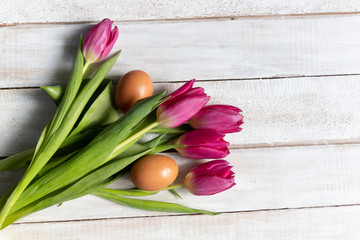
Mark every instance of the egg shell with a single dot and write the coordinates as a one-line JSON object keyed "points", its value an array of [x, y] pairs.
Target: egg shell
{"points": [[132, 87], [154, 172]]}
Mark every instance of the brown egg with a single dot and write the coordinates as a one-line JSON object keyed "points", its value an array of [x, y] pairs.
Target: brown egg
{"points": [[154, 172], [133, 86]]}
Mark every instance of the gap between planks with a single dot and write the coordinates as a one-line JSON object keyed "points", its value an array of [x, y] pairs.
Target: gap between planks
{"points": [[179, 215], [219, 18], [298, 143], [280, 144], [222, 80]]}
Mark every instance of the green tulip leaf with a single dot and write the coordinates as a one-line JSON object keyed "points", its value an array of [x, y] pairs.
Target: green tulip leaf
{"points": [[20, 160], [96, 180], [70, 193], [135, 192], [96, 153], [71, 144], [102, 110], [150, 205], [51, 137], [173, 191], [55, 92], [176, 130]]}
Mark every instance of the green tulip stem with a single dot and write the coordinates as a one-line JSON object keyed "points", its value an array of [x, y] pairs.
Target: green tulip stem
{"points": [[134, 137], [86, 67], [170, 187]]}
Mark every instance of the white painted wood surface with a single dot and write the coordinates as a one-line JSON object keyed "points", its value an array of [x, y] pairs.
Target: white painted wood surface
{"points": [[308, 99], [20, 11], [202, 49], [298, 224], [267, 178], [312, 114]]}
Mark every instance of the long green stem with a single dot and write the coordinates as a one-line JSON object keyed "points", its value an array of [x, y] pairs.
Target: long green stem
{"points": [[132, 138], [86, 67]]}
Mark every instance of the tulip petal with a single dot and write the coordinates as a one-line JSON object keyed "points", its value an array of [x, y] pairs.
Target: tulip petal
{"points": [[113, 38], [188, 85], [202, 144], [205, 167], [211, 185], [203, 137], [203, 152], [176, 112], [194, 91], [223, 118], [99, 41], [227, 108], [210, 178]]}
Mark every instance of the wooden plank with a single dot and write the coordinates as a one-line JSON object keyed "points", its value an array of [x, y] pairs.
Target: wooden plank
{"points": [[267, 178], [19, 11], [277, 111], [24, 114], [316, 223], [34, 55]]}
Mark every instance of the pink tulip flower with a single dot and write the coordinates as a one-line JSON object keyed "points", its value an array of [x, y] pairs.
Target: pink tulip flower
{"points": [[203, 144], [182, 105], [222, 118], [210, 178], [99, 41]]}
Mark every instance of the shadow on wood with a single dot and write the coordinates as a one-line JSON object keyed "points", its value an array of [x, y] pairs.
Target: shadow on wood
{"points": [[8, 179]]}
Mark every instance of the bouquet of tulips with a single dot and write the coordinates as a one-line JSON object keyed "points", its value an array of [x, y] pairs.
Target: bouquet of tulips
{"points": [[88, 145]]}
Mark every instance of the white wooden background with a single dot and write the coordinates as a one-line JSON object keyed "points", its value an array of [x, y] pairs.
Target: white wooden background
{"points": [[293, 67]]}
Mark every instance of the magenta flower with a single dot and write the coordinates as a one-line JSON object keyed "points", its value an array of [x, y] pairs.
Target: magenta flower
{"points": [[222, 118], [202, 144], [99, 41], [182, 105], [210, 178]]}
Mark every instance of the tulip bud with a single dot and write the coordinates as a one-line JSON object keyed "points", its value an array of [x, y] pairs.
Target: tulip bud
{"points": [[99, 41], [202, 144], [210, 178], [222, 118], [182, 105]]}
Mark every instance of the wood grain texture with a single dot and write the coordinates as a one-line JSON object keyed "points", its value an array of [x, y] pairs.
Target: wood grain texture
{"points": [[319, 223], [234, 48], [20, 11], [277, 111], [34, 55], [267, 178]]}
